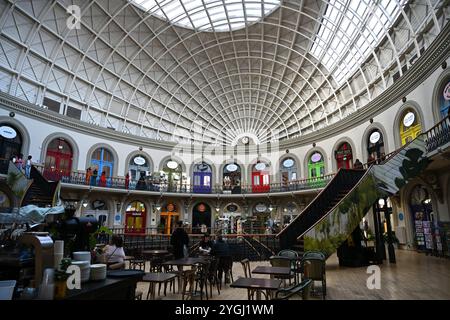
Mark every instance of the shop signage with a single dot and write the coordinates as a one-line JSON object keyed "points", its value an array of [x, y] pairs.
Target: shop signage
{"points": [[172, 164], [201, 207], [260, 166], [261, 207], [170, 207], [232, 208], [98, 204], [374, 137], [316, 157], [7, 132], [288, 163], [117, 219], [139, 161], [409, 118], [232, 167]]}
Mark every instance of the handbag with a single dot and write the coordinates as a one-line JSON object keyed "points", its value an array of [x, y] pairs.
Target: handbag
{"points": [[104, 258]]}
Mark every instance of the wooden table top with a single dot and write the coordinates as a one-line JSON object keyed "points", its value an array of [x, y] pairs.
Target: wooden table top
{"points": [[128, 258], [276, 271], [257, 283], [185, 261], [158, 277]]}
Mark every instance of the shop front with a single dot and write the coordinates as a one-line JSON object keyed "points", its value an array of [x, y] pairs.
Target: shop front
{"points": [[169, 217], [135, 218], [202, 178], [410, 127], [344, 156], [201, 218], [10, 144], [375, 146], [260, 177], [232, 178], [288, 170], [58, 160]]}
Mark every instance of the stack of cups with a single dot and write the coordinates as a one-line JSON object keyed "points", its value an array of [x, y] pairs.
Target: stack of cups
{"points": [[47, 287], [58, 253]]}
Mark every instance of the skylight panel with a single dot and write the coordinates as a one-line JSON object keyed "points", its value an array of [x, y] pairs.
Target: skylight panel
{"points": [[225, 15], [361, 25]]}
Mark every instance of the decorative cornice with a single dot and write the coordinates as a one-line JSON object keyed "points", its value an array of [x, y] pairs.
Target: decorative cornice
{"points": [[434, 55]]}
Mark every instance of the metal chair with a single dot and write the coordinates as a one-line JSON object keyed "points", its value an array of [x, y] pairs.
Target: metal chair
{"points": [[277, 261], [314, 269], [248, 274], [302, 289], [295, 262]]}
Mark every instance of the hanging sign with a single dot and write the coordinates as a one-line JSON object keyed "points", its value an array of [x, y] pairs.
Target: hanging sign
{"points": [[288, 163], [260, 166], [232, 167], [7, 132], [261, 207], [374, 137], [201, 207], [409, 118], [139, 161], [316, 157], [172, 164], [447, 92], [232, 208]]}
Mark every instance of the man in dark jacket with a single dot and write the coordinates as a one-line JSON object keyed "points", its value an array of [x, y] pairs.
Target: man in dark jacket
{"points": [[178, 240], [221, 250]]}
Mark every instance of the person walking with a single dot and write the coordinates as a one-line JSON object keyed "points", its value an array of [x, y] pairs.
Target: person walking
{"points": [[28, 167], [179, 241]]}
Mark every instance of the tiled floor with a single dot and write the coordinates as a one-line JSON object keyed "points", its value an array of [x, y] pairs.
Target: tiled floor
{"points": [[415, 276]]}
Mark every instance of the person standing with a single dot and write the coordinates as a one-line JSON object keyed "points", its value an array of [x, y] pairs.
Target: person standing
{"points": [[94, 177], [103, 179], [88, 175], [127, 181], [19, 162], [221, 250], [28, 167], [179, 240]]}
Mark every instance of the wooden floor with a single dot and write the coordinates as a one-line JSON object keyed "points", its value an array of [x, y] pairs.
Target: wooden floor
{"points": [[415, 276]]}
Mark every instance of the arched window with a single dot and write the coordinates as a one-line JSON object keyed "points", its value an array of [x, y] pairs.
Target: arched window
{"points": [[138, 167], [232, 178], [173, 176], [102, 163], [375, 146], [260, 177], [316, 165], [288, 169], [10, 141], [58, 159], [135, 218], [410, 126], [444, 99], [201, 218], [344, 156], [202, 178]]}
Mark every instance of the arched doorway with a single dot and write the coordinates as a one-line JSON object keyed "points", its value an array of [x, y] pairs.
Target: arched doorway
{"points": [[58, 159], [169, 217], [410, 126], [102, 160], [230, 219], [173, 177], [261, 218], [344, 156], [316, 165], [423, 218], [202, 178], [260, 177], [444, 99], [375, 146], [139, 166], [288, 170], [290, 212], [10, 141], [232, 178], [201, 218], [135, 218]]}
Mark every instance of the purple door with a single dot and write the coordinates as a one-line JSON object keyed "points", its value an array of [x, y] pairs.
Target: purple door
{"points": [[202, 182]]}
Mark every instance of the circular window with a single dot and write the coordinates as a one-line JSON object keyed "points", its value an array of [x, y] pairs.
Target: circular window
{"points": [[316, 157], [409, 119], [288, 163], [231, 167], [172, 164], [375, 137]]}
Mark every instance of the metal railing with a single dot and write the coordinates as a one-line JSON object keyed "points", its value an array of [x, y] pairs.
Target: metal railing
{"points": [[439, 135]]}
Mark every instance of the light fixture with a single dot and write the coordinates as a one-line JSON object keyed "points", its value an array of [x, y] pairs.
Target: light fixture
{"points": [[427, 201], [388, 203], [270, 208], [381, 202], [158, 206], [60, 147], [217, 209], [85, 204]]}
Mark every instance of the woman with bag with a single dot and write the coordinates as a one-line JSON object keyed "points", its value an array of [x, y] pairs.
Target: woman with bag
{"points": [[113, 254]]}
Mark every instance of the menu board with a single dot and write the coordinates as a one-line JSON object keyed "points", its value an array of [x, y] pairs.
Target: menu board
{"points": [[420, 236], [428, 234]]}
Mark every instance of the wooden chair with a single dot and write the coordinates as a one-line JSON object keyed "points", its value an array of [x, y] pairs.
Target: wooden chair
{"points": [[188, 277], [248, 274]]}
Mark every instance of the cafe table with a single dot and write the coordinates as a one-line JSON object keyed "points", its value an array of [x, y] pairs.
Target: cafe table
{"points": [[258, 285], [185, 262], [155, 252], [154, 278], [273, 271]]}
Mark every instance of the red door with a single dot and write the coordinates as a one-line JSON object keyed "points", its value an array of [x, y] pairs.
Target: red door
{"points": [[58, 160], [344, 156], [260, 181]]}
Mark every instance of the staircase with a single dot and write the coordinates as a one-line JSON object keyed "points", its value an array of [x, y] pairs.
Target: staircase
{"points": [[41, 192], [335, 213]]}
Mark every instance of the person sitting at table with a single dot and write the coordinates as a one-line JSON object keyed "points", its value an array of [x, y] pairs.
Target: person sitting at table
{"points": [[113, 254], [221, 250], [205, 244]]}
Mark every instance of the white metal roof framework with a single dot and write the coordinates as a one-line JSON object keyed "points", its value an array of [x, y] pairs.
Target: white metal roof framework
{"points": [[273, 70]]}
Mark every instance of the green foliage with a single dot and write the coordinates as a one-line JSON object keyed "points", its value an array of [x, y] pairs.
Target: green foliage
{"points": [[93, 236], [411, 167]]}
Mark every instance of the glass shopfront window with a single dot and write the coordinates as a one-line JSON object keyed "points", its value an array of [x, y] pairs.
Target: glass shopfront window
{"points": [[58, 159], [316, 165], [344, 156], [410, 126], [232, 178], [202, 178], [102, 164], [10, 141], [375, 146], [260, 177], [135, 218], [288, 169]]}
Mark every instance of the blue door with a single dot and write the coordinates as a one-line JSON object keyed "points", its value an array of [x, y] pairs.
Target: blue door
{"points": [[202, 182], [102, 160]]}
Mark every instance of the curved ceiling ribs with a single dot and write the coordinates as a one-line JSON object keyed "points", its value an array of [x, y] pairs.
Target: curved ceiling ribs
{"points": [[273, 69]]}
